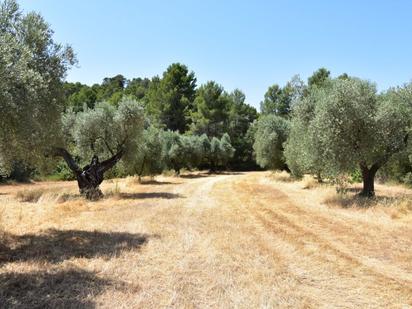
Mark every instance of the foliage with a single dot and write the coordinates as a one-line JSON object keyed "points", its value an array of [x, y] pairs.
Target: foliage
{"points": [[19, 172], [302, 149], [78, 95], [349, 126], [226, 150], [147, 160], [279, 101], [106, 129], [194, 151], [271, 133], [356, 126], [137, 87], [328, 127], [32, 66], [240, 117], [169, 99], [407, 179], [211, 109], [173, 151], [319, 78]]}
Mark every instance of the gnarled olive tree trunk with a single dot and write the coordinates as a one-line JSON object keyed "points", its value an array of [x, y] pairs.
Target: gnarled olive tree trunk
{"points": [[91, 176], [368, 177], [369, 173]]}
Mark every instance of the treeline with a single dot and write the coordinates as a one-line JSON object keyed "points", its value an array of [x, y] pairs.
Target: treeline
{"points": [[174, 102], [150, 150]]}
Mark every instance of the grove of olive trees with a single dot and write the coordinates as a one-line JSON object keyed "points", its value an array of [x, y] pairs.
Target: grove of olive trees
{"points": [[325, 127]]}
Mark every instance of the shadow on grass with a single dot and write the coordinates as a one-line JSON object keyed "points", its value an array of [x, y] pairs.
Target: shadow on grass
{"points": [[73, 288], [194, 176], [55, 246], [208, 174], [158, 183], [356, 201], [149, 195]]}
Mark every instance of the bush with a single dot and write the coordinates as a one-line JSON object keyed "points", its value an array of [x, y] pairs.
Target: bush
{"points": [[62, 172], [355, 177], [408, 179]]}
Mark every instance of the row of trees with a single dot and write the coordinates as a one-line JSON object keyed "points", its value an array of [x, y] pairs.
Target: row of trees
{"points": [[174, 102], [339, 126], [146, 149], [161, 150]]}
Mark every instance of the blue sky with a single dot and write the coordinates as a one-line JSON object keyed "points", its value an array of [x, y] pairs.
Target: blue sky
{"points": [[241, 44]]}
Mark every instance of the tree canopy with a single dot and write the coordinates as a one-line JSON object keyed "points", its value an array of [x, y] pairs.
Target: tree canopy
{"points": [[32, 68], [169, 100], [270, 135], [347, 125]]}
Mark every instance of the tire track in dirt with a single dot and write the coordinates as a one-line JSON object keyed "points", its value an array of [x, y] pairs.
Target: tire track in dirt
{"points": [[277, 222], [358, 229], [289, 214], [237, 220]]}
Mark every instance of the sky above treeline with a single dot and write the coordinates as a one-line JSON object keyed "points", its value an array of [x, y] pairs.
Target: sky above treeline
{"points": [[248, 45]]}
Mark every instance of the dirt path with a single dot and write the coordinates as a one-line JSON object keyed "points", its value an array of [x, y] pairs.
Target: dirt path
{"points": [[223, 241]]}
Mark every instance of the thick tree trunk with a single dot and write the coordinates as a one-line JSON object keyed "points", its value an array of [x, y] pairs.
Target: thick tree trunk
{"points": [[90, 192], [91, 176], [368, 176]]}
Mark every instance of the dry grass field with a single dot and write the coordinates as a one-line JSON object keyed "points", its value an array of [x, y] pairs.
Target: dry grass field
{"points": [[241, 240]]}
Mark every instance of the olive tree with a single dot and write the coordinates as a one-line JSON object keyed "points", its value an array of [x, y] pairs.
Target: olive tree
{"points": [[105, 131], [356, 128], [303, 151], [173, 151], [193, 150], [221, 151], [271, 132], [226, 150], [147, 160], [32, 69]]}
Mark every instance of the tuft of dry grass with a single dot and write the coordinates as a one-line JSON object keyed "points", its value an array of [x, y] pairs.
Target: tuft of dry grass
{"points": [[402, 209], [309, 182], [281, 176], [397, 206], [114, 191], [30, 196], [41, 195]]}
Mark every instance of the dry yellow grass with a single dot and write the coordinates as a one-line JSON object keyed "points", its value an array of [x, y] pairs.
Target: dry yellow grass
{"points": [[309, 182], [246, 240], [282, 176]]}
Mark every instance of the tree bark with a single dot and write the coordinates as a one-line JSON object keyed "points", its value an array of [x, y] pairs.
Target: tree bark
{"points": [[368, 177], [91, 176]]}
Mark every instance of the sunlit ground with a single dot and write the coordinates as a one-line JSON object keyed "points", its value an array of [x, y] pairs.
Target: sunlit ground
{"points": [[242, 240]]}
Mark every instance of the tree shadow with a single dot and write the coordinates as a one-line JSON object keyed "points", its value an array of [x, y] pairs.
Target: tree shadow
{"points": [[354, 200], [149, 195], [73, 288], [193, 176], [158, 183], [56, 245], [228, 173], [209, 174]]}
